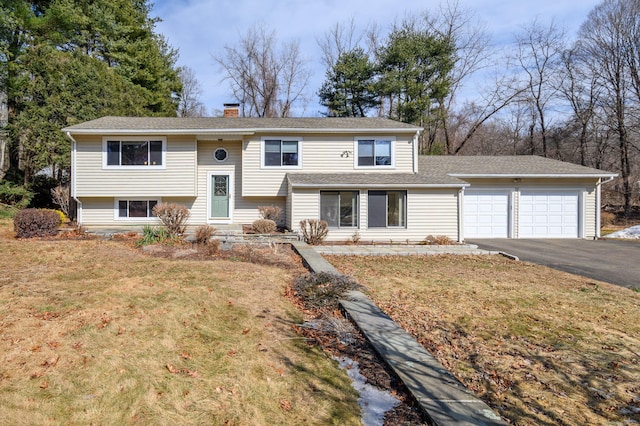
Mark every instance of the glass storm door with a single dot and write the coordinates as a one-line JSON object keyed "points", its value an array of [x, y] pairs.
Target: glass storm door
{"points": [[220, 196]]}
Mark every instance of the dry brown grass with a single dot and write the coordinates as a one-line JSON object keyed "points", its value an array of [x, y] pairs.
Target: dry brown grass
{"points": [[540, 346], [95, 332]]}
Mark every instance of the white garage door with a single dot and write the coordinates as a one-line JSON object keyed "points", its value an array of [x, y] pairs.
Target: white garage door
{"points": [[486, 213], [548, 214]]}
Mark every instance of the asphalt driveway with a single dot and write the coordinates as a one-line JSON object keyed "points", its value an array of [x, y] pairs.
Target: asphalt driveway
{"points": [[613, 261]]}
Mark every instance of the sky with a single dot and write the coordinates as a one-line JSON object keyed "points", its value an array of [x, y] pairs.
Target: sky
{"points": [[200, 29]]}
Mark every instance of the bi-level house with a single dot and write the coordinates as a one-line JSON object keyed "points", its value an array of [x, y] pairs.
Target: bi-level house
{"points": [[359, 174]]}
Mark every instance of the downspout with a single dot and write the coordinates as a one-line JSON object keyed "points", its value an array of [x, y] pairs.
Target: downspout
{"points": [[415, 152], [598, 201], [73, 180], [461, 215]]}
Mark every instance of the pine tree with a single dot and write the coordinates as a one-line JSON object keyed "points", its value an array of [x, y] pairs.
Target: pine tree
{"points": [[67, 61], [349, 89]]}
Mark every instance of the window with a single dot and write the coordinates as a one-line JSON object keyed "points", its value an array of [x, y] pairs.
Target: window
{"points": [[145, 153], [136, 208], [281, 153], [374, 152], [387, 209], [220, 155], [339, 209]]}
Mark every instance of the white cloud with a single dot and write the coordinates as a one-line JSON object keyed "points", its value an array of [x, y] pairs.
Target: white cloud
{"points": [[201, 28]]}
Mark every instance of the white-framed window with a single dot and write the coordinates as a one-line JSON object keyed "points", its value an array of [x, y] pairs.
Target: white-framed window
{"points": [[285, 153], [387, 209], [134, 153], [339, 208], [374, 152], [220, 155], [134, 208]]}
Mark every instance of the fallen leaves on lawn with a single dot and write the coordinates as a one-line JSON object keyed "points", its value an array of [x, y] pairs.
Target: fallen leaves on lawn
{"points": [[182, 371], [285, 405]]}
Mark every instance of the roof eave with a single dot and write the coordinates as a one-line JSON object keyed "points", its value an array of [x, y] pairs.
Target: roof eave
{"points": [[248, 131], [532, 175], [379, 185]]}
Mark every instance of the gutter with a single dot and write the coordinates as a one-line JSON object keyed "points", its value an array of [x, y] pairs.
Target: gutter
{"points": [[73, 188], [599, 201], [416, 139], [533, 175], [376, 185], [461, 215], [239, 132]]}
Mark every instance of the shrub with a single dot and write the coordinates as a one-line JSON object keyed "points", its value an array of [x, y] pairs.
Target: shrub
{"points": [[60, 196], [41, 187], [204, 234], [439, 240], [61, 215], [323, 289], [29, 223], [213, 246], [314, 231], [356, 237], [607, 218], [14, 195], [173, 216], [153, 235], [273, 213], [264, 226]]}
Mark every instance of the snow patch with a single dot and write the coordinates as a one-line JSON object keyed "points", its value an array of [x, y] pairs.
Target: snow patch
{"points": [[631, 233], [373, 402]]}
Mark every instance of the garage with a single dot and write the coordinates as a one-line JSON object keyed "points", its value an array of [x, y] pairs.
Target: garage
{"points": [[548, 214], [486, 213]]}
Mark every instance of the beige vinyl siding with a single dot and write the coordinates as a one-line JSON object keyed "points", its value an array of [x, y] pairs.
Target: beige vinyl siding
{"points": [[590, 225], [289, 208], [319, 154], [429, 212], [101, 211], [245, 209], [176, 179]]}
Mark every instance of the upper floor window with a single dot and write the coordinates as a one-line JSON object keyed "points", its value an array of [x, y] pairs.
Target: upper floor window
{"points": [[281, 153], [134, 153], [374, 153]]}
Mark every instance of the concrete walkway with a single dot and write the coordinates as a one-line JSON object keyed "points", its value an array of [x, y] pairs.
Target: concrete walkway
{"points": [[399, 250], [442, 397]]}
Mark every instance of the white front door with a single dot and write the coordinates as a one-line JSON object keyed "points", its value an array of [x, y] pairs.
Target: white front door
{"points": [[548, 214], [486, 213]]}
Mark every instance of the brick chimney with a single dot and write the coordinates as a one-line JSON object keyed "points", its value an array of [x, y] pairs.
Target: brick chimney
{"points": [[231, 110]]}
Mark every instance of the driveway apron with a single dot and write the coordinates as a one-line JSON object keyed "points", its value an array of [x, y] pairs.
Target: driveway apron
{"points": [[613, 261]]}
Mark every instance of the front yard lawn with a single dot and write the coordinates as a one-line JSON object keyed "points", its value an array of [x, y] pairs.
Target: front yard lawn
{"points": [[540, 346], [95, 332]]}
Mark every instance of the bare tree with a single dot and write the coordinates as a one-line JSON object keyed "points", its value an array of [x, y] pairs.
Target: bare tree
{"points": [[580, 88], [473, 52], [267, 79], [604, 36], [539, 49], [497, 95], [342, 37], [190, 104]]}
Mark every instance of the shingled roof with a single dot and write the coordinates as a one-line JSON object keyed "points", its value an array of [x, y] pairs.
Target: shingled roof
{"points": [[510, 166], [372, 180], [184, 125]]}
